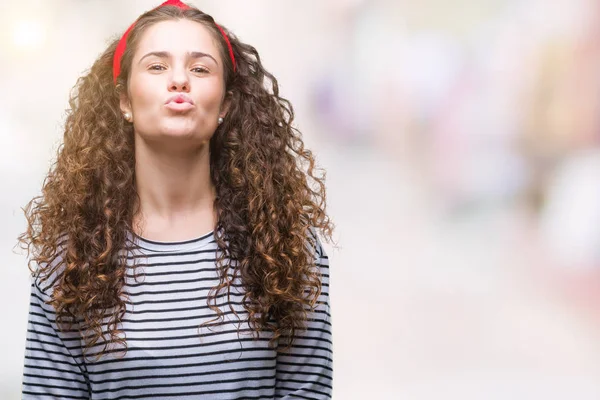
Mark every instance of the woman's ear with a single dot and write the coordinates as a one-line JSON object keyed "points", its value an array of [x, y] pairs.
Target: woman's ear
{"points": [[124, 102], [226, 104]]}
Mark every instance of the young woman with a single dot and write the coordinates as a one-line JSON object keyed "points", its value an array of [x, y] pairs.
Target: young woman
{"points": [[174, 249]]}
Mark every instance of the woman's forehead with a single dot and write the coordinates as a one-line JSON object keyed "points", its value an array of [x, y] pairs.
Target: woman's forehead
{"points": [[177, 37]]}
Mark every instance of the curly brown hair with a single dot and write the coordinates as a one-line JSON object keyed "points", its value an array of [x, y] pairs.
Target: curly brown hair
{"points": [[270, 199]]}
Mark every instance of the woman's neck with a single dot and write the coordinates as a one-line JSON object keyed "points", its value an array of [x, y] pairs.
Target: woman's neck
{"points": [[176, 193]]}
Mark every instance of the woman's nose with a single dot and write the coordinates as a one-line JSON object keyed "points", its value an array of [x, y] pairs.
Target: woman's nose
{"points": [[179, 80]]}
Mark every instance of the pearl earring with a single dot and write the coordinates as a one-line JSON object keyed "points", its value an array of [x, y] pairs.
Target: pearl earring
{"points": [[127, 116], [220, 120]]}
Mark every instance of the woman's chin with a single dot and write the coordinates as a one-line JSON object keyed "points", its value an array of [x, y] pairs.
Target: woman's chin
{"points": [[171, 130], [171, 135]]}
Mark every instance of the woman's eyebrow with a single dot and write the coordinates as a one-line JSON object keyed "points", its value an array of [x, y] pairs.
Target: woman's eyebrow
{"points": [[200, 54], [166, 54]]}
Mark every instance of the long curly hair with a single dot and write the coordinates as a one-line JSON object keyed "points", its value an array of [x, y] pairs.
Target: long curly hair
{"points": [[270, 196]]}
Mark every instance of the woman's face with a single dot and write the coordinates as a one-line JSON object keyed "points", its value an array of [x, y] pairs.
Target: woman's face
{"points": [[176, 87]]}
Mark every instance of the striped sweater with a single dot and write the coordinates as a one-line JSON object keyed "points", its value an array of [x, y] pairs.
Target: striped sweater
{"points": [[168, 354]]}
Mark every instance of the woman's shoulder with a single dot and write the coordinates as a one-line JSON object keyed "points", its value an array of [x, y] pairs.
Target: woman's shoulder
{"points": [[48, 271], [315, 245]]}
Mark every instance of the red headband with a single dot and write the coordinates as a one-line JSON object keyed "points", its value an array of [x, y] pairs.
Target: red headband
{"points": [[123, 41]]}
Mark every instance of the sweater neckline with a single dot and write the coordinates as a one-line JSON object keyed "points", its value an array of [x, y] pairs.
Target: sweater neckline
{"points": [[173, 246]]}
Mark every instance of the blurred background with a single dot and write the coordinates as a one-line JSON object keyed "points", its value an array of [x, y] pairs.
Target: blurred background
{"points": [[461, 141]]}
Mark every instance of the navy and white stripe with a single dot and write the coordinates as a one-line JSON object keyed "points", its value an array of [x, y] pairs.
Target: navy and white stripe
{"points": [[169, 355]]}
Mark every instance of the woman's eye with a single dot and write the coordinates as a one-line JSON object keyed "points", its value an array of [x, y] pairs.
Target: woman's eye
{"points": [[199, 69], [156, 67]]}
